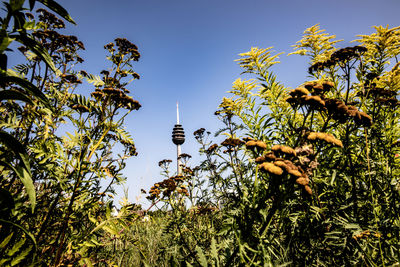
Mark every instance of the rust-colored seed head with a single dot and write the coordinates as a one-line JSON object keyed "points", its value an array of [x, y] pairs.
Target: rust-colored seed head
{"points": [[212, 148], [309, 85], [246, 139], [270, 156], [308, 189], [291, 100], [231, 142], [281, 164], [80, 108], [352, 111], [312, 136], [284, 149], [295, 173], [261, 145], [328, 85], [318, 89], [290, 164], [271, 168], [299, 91], [303, 181], [329, 138], [260, 159], [366, 120], [251, 144], [315, 101]]}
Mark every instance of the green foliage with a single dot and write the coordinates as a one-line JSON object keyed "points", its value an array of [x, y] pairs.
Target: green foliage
{"points": [[305, 176], [66, 173]]}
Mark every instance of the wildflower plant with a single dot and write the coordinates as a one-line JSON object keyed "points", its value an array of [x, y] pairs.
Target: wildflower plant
{"points": [[306, 176], [65, 142]]}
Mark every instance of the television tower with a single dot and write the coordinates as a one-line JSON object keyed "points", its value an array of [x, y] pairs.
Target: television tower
{"points": [[178, 138]]}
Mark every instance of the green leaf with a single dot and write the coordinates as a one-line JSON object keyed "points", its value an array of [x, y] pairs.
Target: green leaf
{"points": [[36, 48], [25, 84], [21, 228], [214, 252], [14, 145], [24, 172], [16, 247], [16, 4], [95, 80], [58, 9], [22, 255], [5, 41], [6, 240], [201, 257], [14, 95], [26, 179]]}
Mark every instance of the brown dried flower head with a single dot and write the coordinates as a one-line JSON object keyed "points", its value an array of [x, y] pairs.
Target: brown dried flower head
{"points": [[80, 108], [232, 142], [315, 102], [211, 149], [299, 91], [308, 189], [271, 168], [283, 149], [303, 180], [329, 138]]}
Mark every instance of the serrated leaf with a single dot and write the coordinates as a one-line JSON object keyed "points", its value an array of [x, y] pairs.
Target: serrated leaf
{"points": [[4, 243], [95, 80], [16, 247], [214, 251], [201, 257], [22, 255], [36, 48]]}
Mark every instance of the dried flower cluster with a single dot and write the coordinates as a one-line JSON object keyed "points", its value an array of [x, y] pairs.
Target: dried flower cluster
{"points": [[167, 186], [125, 47], [329, 138], [203, 210], [338, 57], [365, 234], [70, 78], [384, 97], [164, 163], [255, 145], [64, 45], [211, 149], [231, 144], [49, 19], [279, 161], [342, 113], [301, 95], [130, 147], [118, 96], [336, 108], [80, 108]]}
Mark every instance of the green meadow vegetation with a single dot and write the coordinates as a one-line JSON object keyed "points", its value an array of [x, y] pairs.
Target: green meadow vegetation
{"points": [[304, 177]]}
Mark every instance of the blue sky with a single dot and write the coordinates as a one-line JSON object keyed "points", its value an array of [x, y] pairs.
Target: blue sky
{"points": [[188, 49]]}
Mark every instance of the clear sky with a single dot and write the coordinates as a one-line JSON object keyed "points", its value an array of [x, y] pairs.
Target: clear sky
{"points": [[188, 49]]}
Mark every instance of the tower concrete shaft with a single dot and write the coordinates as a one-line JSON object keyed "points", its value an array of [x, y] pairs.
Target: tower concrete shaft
{"points": [[178, 138]]}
